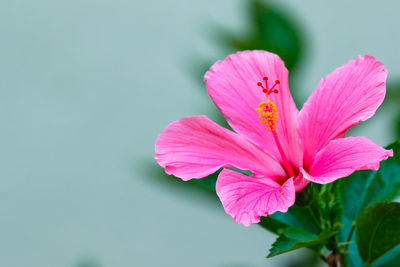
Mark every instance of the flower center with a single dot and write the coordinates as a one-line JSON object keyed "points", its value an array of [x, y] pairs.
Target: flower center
{"points": [[268, 115], [267, 111]]}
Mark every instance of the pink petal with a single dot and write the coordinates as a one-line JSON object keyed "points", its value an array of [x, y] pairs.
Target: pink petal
{"points": [[350, 94], [342, 157], [232, 85], [195, 147], [247, 198]]}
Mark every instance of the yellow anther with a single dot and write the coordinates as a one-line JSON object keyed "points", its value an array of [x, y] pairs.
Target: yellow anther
{"points": [[281, 192], [268, 114]]}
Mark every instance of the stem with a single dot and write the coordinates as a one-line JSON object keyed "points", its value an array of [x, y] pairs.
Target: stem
{"points": [[323, 258], [342, 261], [349, 238], [314, 217], [333, 259]]}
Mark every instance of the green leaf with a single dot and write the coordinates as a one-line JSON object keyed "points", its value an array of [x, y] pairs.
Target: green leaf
{"points": [[305, 216], [352, 195], [390, 259], [301, 217], [273, 225], [363, 188], [385, 184], [378, 230], [293, 238]]}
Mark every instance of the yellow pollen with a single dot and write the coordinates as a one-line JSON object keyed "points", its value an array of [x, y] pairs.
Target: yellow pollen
{"points": [[268, 114], [281, 192]]}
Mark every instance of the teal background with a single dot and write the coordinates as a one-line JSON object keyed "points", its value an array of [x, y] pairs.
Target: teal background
{"points": [[86, 87]]}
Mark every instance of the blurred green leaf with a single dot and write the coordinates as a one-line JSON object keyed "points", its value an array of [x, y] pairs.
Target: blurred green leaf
{"points": [[293, 238], [208, 182], [397, 125], [393, 91], [393, 97], [87, 262], [271, 29], [378, 230]]}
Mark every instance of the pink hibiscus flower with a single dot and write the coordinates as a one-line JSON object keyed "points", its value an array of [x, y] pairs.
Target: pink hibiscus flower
{"points": [[284, 148]]}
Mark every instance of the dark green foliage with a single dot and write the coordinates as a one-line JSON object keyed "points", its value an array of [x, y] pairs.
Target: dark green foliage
{"points": [[311, 226], [363, 188], [378, 230], [366, 187], [385, 183], [303, 217]]}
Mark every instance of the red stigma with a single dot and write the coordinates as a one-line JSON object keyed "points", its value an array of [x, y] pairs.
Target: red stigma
{"points": [[266, 90]]}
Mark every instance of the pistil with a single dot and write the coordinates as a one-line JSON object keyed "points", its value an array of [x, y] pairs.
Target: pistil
{"points": [[268, 115], [286, 163]]}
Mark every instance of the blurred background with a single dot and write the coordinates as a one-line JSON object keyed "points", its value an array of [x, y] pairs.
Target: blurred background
{"points": [[86, 86]]}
